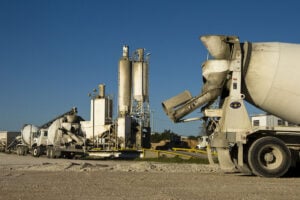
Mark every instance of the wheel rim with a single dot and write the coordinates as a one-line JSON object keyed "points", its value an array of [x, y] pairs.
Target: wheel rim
{"points": [[35, 152], [270, 157]]}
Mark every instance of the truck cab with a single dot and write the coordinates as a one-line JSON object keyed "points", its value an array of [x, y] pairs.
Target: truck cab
{"points": [[40, 142]]}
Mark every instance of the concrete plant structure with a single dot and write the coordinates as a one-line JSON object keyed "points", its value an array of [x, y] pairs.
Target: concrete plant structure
{"points": [[68, 134], [131, 129], [133, 108]]}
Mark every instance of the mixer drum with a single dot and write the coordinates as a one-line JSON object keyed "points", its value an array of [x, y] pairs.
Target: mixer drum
{"points": [[272, 79], [27, 134]]}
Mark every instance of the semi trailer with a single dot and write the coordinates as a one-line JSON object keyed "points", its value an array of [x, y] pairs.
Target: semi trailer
{"points": [[7, 138], [264, 74]]}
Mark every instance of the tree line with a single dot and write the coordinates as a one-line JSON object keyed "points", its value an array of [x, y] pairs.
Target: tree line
{"points": [[168, 135]]}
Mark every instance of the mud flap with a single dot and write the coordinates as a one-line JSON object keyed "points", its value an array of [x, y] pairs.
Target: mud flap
{"points": [[225, 161], [209, 155]]}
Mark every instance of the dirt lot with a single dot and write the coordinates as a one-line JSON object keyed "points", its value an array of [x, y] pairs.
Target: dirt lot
{"points": [[41, 178]]}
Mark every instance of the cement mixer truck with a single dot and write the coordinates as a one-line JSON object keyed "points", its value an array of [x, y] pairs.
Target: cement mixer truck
{"points": [[32, 139], [65, 138], [267, 76], [61, 136]]}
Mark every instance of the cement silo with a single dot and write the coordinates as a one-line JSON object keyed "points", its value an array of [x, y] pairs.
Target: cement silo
{"points": [[133, 108], [125, 82], [140, 101], [140, 77]]}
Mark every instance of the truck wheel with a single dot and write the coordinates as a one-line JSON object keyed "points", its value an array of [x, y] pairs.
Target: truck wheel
{"points": [[24, 151], [36, 152], [18, 151], [51, 152], [48, 152], [269, 157], [21, 151]]}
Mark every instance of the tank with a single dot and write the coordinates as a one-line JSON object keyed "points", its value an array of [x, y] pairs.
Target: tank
{"points": [[140, 77], [137, 74], [65, 130], [28, 133], [54, 132], [124, 98], [272, 79]]}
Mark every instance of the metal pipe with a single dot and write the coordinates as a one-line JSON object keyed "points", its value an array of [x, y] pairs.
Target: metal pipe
{"points": [[93, 99], [101, 90], [193, 104]]}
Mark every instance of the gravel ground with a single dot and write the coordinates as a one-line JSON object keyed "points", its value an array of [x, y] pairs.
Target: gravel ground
{"points": [[26, 177]]}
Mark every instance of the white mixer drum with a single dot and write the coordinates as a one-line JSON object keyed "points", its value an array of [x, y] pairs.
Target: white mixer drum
{"points": [[273, 77], [28, 132]]}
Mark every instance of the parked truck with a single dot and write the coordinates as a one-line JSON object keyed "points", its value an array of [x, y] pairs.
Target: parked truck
{"points": [[267, 76], [61, 136], [30, 140]]}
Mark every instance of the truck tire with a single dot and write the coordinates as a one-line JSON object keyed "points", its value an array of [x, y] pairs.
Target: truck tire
{"points": [[47, 152], [36, 152], [269, 157], [18, 150], [21, 151], [51, 152], [24, 151]]}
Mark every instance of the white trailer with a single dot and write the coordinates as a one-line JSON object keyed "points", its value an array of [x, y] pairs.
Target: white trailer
{"points": [[269, 120], [6, 138]]}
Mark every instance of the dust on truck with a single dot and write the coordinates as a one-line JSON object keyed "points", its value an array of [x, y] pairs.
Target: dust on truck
{"points": [[267, 76]]}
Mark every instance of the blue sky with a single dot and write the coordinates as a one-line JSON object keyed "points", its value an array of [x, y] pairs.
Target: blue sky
{"points": [[53, 53]]}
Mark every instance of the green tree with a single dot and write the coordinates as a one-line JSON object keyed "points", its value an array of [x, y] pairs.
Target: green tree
{"points": [[165, 135], [192, 137]]}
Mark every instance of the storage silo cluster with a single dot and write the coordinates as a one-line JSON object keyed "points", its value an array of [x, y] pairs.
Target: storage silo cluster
{"points": [[133, 99]]}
